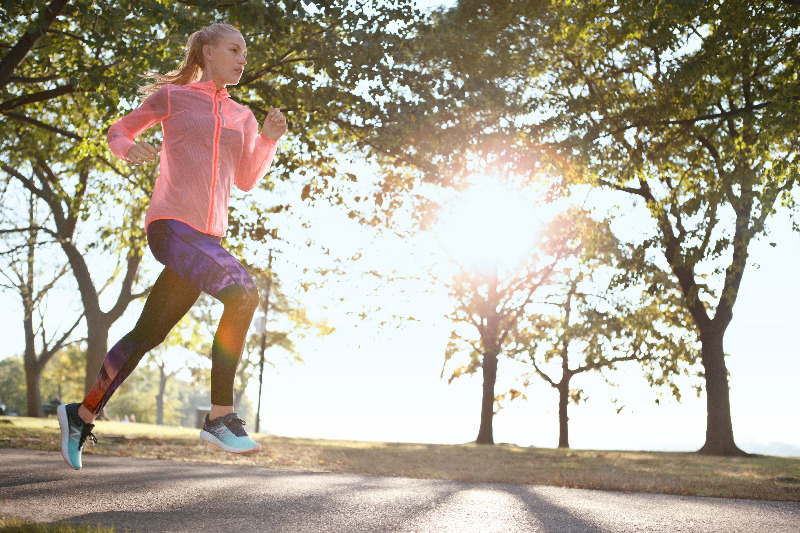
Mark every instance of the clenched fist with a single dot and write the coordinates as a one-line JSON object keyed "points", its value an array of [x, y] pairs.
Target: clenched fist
{"points": [[274, 125]]}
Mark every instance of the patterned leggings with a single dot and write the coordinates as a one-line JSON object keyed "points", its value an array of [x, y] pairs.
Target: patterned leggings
{"points": [[194, 263]]}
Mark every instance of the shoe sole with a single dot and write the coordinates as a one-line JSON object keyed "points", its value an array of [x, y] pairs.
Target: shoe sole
{"points": [[63, 422], [209, 437]]}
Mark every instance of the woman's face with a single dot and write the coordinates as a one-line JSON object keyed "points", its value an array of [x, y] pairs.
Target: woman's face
{"points": [[225, 60]]}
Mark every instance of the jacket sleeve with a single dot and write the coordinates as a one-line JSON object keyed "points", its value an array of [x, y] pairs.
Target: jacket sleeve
{"points": [[122, 134], [257, 155]]}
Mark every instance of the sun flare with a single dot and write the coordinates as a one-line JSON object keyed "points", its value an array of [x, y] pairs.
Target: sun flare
{"points": [[491, 224]]}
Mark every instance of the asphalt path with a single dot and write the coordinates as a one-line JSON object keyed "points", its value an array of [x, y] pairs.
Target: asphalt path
{"points": [[154, 495]]}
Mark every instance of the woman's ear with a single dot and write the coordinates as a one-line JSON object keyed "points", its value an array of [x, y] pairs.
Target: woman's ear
{"points": [[207, 53]]}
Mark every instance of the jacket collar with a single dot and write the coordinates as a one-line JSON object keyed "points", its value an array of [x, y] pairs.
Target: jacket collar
{"points": [[208, 87]]}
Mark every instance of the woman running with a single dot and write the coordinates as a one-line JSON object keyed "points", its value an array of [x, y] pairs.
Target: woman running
{"points": [[209, 143]]}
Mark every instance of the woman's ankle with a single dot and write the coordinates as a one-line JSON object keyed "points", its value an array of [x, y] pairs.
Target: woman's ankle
{"points": [[219, 410], [86, 415]]}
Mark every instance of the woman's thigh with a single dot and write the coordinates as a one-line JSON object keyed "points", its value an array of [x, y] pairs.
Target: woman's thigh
{"points": [[196, 257], [169, 300]]}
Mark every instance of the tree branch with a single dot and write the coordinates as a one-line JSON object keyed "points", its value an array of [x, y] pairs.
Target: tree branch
{"points": [[41, 96], [15, 56], [48, 127], [542, 374]]}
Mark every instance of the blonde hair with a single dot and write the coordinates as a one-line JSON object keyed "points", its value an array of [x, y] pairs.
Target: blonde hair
{"points": [[192, 66]]}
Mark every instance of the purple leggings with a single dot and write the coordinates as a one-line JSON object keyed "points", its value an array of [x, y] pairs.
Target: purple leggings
{"points": [[194, 262]]}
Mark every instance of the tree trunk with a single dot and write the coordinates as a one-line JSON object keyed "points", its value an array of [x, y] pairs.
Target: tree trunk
{"points": [[719, 427], [563, 419], [96, 345], [485, 433], [98, 322], [33, 374], [33, 370], [162, 386]]}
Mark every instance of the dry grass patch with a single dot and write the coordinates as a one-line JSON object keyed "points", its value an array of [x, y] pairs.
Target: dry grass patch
{"points": [[759, 477], [11, 524]]}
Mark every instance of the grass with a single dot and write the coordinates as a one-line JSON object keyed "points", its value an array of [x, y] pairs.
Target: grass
{"points": [[17, 525], [756, 477]]}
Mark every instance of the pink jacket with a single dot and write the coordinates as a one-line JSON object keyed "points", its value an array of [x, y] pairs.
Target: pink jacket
{"points": [[210, 142]]}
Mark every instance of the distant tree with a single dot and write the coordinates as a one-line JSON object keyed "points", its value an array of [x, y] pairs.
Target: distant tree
{"points": [[287, 323], [185, 335], [595, 315], [12, 383], [282, 323], [63, 375], [25, 275], [490, 305], [136, 396]]}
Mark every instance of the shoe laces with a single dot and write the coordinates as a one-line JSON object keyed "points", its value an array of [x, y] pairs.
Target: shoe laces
{"points": [[86, 432], [236, 425]]}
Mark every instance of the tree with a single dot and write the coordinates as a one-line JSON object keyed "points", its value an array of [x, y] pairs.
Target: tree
{"points": [[63, 376], [685, 108], [596, 315], [27, 277], [12, 383], [67, 209], [288, 322], [60, 96], [186, 335], [687, 113], [491, 302]]}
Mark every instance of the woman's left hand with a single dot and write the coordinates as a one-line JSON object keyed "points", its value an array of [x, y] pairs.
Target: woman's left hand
{"points": [[274, 125]]}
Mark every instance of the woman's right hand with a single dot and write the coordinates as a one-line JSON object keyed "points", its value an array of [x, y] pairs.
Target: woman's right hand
{"points": [[142, 152]]}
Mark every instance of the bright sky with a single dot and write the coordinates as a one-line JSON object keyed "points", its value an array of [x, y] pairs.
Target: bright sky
{"points": [[382, 383]]}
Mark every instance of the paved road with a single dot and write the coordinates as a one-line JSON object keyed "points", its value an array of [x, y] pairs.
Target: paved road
{"points": [[152, 495]]}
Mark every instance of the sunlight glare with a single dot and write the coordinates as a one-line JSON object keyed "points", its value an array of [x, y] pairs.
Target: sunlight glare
{"points": [[490, 225]]}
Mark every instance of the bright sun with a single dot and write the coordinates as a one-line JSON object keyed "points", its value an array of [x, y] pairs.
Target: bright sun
{"points": [[489, 224]]}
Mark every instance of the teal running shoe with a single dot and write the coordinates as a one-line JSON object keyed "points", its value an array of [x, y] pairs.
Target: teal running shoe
{"points": [[228, 433], [74, 432]]}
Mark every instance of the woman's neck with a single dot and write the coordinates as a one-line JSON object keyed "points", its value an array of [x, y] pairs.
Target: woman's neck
{"points": [[207, 76]]}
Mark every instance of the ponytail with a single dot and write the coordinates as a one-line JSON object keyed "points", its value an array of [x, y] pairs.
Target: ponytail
{"points": [[192, 66]]}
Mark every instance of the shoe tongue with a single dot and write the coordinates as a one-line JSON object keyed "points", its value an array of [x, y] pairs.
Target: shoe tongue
{"points": [[234, 423], [77, 420]]}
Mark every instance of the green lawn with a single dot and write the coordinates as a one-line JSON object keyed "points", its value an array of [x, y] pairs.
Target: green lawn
{"points": [[758, 477]]}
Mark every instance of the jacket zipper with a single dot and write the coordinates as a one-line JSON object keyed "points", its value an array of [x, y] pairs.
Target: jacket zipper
{"points": [[219, 120]]}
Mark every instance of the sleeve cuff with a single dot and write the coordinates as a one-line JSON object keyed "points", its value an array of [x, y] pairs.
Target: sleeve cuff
{"points": [[120, 146], [261, 134]]}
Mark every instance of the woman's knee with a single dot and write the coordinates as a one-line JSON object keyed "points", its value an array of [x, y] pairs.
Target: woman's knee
{"points": [[252, 299], [244, 298]]}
